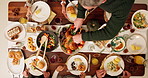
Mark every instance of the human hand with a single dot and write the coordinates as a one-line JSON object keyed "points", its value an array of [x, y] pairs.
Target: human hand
{"points": [[60, 68], [82, 75], [63, 8], [77, 38], [126, 74], [46, 74], [63, 3], [25, 73], [100, 73], [78, 23], [29, 12]]}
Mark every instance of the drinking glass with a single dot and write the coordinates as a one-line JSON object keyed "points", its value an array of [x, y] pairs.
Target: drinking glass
{"points": [[129, 59], [91, 47], [58, 21], [23, 20], [53, 59]]}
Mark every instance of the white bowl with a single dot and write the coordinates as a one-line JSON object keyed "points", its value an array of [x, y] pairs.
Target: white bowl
{"points": [[146, 18]]}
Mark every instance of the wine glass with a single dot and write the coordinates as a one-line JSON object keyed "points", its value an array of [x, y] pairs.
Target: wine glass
{"points": [[58, 21], [129, 59], [91, 47], [53, 59]]}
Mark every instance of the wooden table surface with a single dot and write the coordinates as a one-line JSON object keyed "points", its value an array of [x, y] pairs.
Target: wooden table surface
{"points": [[56, 7], [134, 69]]}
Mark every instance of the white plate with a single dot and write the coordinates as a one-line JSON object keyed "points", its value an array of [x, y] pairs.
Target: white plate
{"points": [[71, 19], [138, 40], [142, 12], [33, 36], [71, 59], [35, 72], [16, 69], [111, 73], [45, 11], [21, 35], [116, 43]]}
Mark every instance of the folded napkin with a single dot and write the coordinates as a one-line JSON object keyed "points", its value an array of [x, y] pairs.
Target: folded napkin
{"points": [[50, 18], [52, 15]]}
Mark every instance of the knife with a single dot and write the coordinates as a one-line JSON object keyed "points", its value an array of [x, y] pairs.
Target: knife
{"points": [[30, 16], [89, 58], [120, 66], [34, 9], [38, 69]]}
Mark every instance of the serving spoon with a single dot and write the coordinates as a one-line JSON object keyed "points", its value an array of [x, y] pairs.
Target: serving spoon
{"points": [[42, 60], [43, 39]]}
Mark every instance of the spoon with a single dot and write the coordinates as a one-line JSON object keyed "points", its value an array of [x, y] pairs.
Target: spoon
{"points": [[45, 48], [42, 60], [43, 39]]}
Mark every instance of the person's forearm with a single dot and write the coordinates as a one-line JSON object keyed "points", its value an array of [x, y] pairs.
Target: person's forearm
{"points": [[81, 11], [55, 74]]}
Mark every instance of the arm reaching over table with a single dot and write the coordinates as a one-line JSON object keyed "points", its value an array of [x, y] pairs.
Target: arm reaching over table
{"points": [[80, 17], [63, 4], [119, 10], [29, 4], [100, 73], [126, 74], [56, 72], [82, 75]]}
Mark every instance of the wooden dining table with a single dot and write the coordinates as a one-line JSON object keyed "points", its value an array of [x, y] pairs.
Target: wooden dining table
{"points": [[57, 8], [133, 68]]}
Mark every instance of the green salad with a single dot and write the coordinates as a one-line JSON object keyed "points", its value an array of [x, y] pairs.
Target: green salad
{"points": [[139, 20]]}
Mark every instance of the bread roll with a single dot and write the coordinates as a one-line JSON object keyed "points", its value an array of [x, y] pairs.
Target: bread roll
{"points": [[71, 10], [11, 54], [18, 55], [41, 65], [14, 31], [16, 62]]}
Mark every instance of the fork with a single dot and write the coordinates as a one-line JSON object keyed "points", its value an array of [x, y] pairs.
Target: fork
{"points": [[89, 62], [120, 66], [32, 13]]}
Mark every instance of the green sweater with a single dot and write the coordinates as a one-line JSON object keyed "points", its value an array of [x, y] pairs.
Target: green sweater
{"points": [[119, 9]]}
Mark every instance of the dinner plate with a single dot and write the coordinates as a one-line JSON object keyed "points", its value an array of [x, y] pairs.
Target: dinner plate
{"points": [[118, 44], [145, 13], [30, 43], [21, 35], [136, 44], [70, 61], [70, 18], [16, 69], [42, 12], [31, 70], [112, 73]]}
